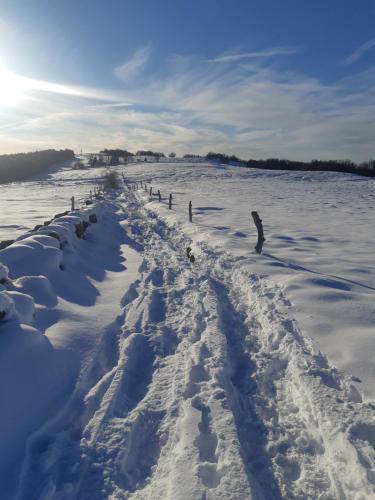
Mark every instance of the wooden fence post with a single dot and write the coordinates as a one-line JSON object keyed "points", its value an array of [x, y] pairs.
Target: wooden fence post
{"points": [[259, 226], [159, 194], [72, 200], [145, 187], [170, 201], [190, 212], [150, 191]]}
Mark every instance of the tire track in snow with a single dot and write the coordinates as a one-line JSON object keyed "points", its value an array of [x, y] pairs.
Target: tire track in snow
{"points": [[295, 397], [307, 406], [177, 406], [253, 434], [213, 393]]}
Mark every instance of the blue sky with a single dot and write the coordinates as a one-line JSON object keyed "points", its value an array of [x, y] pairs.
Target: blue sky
{"points": [[263, 78]]}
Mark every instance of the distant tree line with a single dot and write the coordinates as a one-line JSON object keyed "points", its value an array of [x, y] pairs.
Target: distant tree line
{"points": [[116, 154], [142, 152], [346, 166], [19, 166], [222, 158]]}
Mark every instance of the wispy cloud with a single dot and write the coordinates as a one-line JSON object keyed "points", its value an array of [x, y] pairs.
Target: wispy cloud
{"points": [[111, 105], [357, 54], [278, 51], [22, 86], [252, 110], [131, 68]]}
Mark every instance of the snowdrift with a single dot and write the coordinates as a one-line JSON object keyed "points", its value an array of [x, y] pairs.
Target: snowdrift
{"points": [[33, 375]]}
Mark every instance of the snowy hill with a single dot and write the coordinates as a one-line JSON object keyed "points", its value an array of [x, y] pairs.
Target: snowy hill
{"points": [[130, 372]]}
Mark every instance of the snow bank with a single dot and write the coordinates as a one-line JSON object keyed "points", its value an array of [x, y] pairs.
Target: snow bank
{"points": [[42, 252], [36, 257], [28, 265], [39, 287], [24, 305], [31, 257], [49, 326], [7, 307]]}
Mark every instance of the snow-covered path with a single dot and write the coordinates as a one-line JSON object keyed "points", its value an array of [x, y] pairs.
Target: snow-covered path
{"points": [[205, 389]]}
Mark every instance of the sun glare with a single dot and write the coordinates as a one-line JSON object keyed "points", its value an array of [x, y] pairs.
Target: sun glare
{"points": [[12, 88]]}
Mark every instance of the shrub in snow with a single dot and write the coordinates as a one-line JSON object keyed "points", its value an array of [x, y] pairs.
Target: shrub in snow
{"points": [[111, 180], [7, 309]]}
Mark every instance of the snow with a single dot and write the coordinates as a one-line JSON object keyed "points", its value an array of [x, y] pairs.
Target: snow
{"points": [[7, 309], [32, 202], [318, 243], [126, 371]]}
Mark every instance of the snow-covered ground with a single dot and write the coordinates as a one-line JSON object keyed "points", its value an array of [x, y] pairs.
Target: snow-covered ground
{"points": [[129, 372], [319, 243], [23, 205]]}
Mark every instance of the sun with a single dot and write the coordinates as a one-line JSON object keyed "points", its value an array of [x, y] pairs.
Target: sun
{"points": [[12, 88]]}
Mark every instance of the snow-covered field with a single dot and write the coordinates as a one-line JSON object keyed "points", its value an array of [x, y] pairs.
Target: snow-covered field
{"points": [[23, 205], [129, 372], [319, 244]]}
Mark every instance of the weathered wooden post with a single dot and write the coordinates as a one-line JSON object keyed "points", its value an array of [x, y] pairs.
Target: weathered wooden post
{"points": [[190, 212], [259, 226], [90, 194], [72, 200], [141, 184], [159, 194], [170, 201], [150, 191]]}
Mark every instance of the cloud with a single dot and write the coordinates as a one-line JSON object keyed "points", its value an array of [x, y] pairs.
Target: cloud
{"points": [[112, 105], [14, 87], [131, 68], [357, 54], [252, 110], [281, 51]]}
